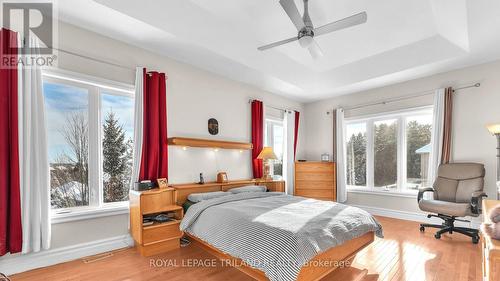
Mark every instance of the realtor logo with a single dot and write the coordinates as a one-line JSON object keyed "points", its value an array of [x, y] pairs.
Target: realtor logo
{"points": [[31, 19]]}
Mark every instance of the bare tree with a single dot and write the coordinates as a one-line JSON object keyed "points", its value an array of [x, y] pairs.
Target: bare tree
{"points": [[72, 168]]}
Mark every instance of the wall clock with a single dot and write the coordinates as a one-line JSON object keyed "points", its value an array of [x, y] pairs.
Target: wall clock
{"points": [[213, 126]]}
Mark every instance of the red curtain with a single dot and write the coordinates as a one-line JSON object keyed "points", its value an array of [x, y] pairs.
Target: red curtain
{"points": [[257, 137], [10, 200], [296, 134], [154, 162]]}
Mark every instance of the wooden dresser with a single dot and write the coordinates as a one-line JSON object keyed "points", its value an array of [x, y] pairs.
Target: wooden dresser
{"points": [[490, 247], [316, 180], [158, 237]]}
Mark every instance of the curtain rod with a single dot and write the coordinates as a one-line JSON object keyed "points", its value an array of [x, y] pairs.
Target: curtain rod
{"points": [[100, 60], [94, 59], [274, 107], [415, 95]]}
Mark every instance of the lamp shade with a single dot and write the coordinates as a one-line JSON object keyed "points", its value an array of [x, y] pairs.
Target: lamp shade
{"points": [[267, 153], [494, 129]]}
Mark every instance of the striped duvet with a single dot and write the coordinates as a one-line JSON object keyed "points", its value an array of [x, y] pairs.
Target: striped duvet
{"points": [[274, 232]]}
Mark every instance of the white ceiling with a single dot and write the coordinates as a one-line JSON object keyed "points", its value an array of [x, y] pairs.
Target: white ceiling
{"points": [[402, 39]]}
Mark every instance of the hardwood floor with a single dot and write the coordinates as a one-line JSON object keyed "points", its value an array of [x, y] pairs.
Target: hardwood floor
{"points": [[404, 254]]}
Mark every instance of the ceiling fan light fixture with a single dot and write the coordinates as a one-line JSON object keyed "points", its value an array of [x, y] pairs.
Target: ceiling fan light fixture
{"points": [[305, 41]]}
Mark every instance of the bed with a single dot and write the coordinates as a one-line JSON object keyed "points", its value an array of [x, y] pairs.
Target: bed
{"points": [[273, 236]]}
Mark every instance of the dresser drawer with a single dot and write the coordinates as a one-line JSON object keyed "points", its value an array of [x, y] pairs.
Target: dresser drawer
{"points": [[314, 167], [156, 202], [161, 232], [315, 193], [300, 184], [314, 176]]}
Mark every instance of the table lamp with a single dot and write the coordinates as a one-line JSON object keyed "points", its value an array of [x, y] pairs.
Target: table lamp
{"points": [[267, 155], [495, 130]]}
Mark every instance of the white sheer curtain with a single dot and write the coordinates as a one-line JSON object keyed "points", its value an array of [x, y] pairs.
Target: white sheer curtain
{"points": [[33, 156], [138, 125], [341, 156], [288, 156], [437, 135]]}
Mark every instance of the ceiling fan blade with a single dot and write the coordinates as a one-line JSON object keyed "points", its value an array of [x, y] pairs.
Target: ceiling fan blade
{"points": [[341, 24], [315, 50], [293, 13], [276, 44]]}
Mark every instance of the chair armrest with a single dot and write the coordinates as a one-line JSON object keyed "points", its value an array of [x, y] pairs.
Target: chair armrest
{"points": [[421, 192], [476, 202]]}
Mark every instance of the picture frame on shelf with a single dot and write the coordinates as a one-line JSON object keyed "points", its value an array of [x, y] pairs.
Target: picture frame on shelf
{"points": [[162, 183]]}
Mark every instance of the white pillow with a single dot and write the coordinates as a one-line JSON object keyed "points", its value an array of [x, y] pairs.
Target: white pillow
{"points": [[248, 188], [198, 197]]}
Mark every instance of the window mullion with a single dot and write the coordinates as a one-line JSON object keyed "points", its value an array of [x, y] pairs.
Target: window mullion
{"points": [[401, 155], [95, 163], [370, 158]]}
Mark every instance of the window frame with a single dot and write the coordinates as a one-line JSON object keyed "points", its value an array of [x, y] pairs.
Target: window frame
{"points": [[269, 133], [95, 87], [401, 117]]}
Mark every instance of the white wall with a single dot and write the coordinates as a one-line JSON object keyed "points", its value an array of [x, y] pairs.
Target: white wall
{"points": [[473, 109], [193, 96]]}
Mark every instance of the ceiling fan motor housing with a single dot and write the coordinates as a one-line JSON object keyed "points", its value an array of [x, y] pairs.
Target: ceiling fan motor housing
{"points": [[305, 37]]}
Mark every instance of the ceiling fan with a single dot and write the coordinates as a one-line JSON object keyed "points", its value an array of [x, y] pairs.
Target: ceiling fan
{"points": [[306, 30]]}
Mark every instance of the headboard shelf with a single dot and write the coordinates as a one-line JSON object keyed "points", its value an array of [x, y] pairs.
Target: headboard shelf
{"points": [[192, 142], [183, 190]]}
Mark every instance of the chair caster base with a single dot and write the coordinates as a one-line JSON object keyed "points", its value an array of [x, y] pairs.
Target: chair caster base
{"points": [[475, 239], [422, 229], [437, 236]]}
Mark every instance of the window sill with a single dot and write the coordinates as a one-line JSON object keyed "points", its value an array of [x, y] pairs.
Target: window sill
{"points": [[85, 213], [405, 194]]}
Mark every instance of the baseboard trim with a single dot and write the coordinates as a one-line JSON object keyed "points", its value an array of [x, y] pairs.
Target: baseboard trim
{"points": [[20, 263], [414, 216]]}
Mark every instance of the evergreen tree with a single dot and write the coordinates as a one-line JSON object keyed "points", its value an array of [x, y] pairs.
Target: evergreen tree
{"points": [[356, 160], [115, 162], [385, 153]]}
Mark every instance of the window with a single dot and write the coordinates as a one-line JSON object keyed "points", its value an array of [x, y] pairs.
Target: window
{"points": [[385, 146], [418, 149], [90, 132], [67, 108], [389, 152], [356, 154], [117, 146], [275, 138]]}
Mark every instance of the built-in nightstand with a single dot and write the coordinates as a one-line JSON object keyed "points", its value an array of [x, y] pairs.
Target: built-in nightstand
{"points": [[157, 237]]}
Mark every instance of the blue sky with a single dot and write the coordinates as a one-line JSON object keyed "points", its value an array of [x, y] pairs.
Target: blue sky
{"points": [[123, 107], [63, 100]]}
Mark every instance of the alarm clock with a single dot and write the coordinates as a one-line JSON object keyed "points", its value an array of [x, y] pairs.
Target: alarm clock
{"points": [[222, 177], [325, 157]]}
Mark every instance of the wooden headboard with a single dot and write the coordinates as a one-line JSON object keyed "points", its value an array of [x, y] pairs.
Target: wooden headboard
{"points": [[183, 190]]}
